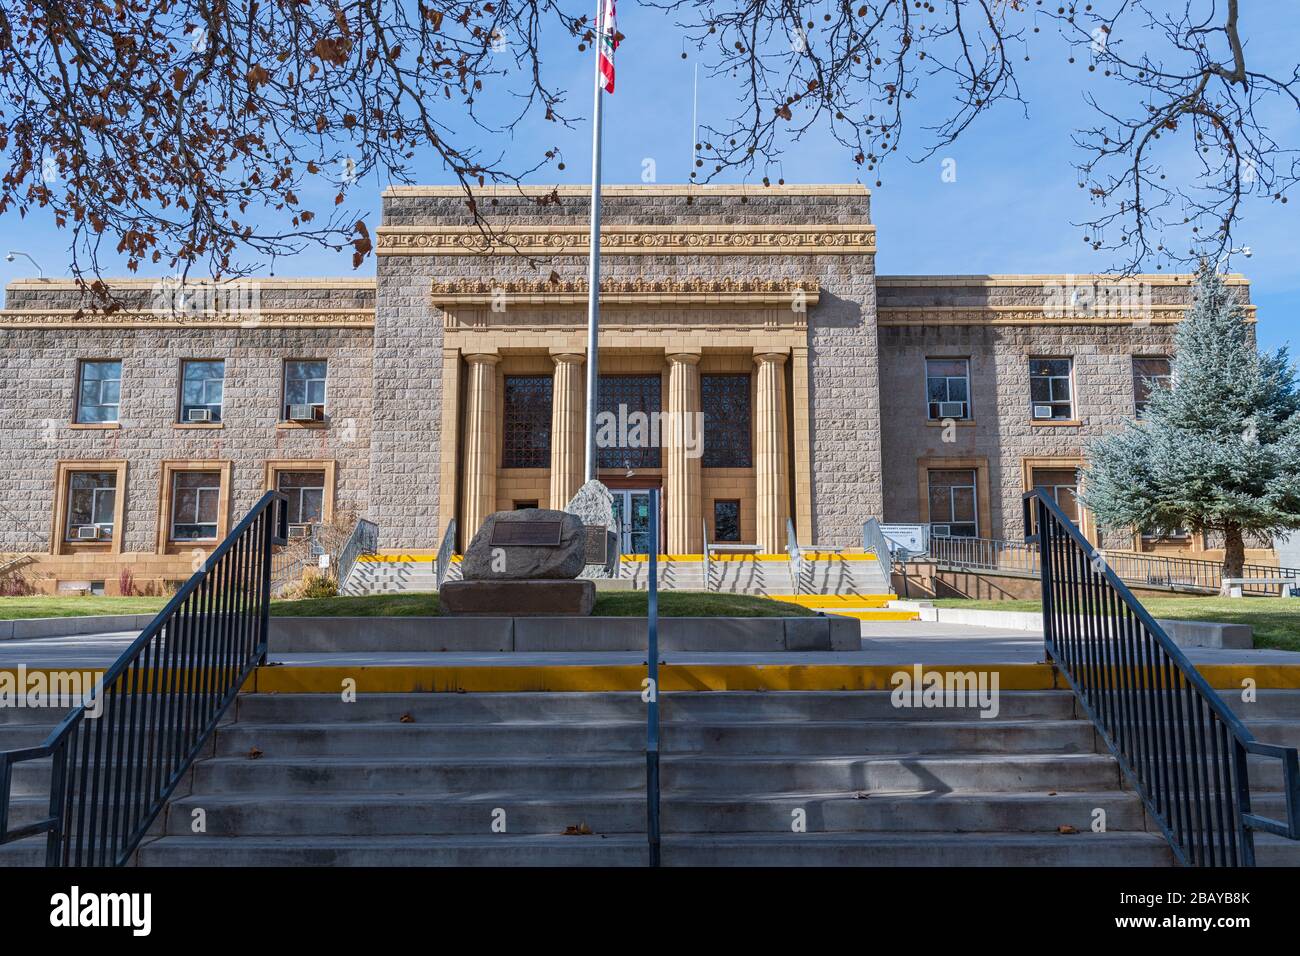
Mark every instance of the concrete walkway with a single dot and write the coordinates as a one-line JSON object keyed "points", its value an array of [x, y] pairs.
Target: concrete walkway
{"points": [[883, 643]]}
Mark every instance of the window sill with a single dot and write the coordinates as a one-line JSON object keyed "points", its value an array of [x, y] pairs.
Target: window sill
{"points": [[1057, 422], [288, 426], [94, 426], [943, 422], [198, 425]]}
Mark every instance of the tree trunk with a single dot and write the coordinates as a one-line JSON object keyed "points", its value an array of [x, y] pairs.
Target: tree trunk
{"points": [[1234, 555]]}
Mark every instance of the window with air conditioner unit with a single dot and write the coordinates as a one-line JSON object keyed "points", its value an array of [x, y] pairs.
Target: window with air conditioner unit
{"points": [[92, 499], [953, 499], [196, 503], [202, 391], [306, 493], [947, 389], [304, 390], [1051, 389]]}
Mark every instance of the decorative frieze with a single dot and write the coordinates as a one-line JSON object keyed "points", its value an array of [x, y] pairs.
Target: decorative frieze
{"points": [[926, 316], [692, 239], [149, 319], [795, 295]]}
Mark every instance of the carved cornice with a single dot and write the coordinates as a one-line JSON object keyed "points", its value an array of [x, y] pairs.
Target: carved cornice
{"points": [[1034, 315], [126, 319], [630, 240], [691, 291]]}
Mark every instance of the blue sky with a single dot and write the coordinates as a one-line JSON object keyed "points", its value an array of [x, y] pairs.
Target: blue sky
{"points": [[1010, 209]]}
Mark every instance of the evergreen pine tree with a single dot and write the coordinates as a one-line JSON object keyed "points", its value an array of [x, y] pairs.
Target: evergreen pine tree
{"points": [[1216, 451]]}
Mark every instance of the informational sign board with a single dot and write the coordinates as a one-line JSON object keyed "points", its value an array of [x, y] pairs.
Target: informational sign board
{"points": [[597, 544], [912, 538], [526, 534]]}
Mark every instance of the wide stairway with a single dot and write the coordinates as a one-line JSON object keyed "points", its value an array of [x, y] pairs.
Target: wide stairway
{"points": [[782, 778]]}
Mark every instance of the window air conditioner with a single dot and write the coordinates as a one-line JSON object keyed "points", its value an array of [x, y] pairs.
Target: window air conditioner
{"points": [[299, 530], [87, 532], [940, 531], [1042, 411], [952, 409], [199, 415], [304, 413]]}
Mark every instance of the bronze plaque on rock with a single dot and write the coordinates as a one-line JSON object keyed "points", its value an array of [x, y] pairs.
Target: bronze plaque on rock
{"points": [[531, 534], [597, 544]]}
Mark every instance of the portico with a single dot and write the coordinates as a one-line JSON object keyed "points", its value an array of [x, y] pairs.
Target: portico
{"points": [[700, 381]]}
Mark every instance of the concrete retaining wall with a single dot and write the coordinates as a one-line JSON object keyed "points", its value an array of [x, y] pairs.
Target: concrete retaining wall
{"points": [[1183, 633], [37, 627]]}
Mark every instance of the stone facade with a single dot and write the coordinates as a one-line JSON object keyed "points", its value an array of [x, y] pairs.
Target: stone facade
{"points": [[778, 284]]}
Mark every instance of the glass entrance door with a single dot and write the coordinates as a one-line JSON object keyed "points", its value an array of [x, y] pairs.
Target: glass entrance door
{"points": [[632, 509]]}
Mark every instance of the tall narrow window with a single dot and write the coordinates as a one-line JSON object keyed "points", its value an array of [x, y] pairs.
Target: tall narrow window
{"points": [[954, 507], [99, 389], [726, 520], [527, 420], [196, 503], [623, 437], [1149, 373], [1051, 394], [92, 497], [202, 387], [947, 389], [725, 400], [304, 390], [306, 493]]}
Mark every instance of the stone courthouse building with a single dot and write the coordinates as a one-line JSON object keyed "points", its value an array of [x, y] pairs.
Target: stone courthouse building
{"points": [[452, 384]]}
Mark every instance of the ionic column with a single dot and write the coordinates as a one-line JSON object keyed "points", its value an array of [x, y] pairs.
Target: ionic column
{"points": [[568, 428], [684, 485], [771, 458], [479, 475]]}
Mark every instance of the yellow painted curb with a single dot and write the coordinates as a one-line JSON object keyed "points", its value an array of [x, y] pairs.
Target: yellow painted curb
{"points": [[872, 614], [835, 600], [599, 677], [408, 557]]}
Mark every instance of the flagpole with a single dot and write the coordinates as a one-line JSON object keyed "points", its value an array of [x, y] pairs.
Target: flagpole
{"points": [[593, 256]]}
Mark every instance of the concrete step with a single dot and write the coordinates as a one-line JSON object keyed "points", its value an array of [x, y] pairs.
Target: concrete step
{"points": [[430, 775], [891, 773], [807, 849], [768, 738], [504, 849], [918, 849], [748, 706], [699, 774], [385, 814]]}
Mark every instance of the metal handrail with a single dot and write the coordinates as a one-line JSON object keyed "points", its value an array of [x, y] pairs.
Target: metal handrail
{"points": [[1179, 745], [1134, 568], [442, 562], [155, 707], [364, 539], [708, 564], [875, 542], [795, 556], [652, 689]]}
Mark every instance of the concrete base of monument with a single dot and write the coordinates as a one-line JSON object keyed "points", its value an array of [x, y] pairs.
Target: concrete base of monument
{"points": [[540, 598], [544, 633]]}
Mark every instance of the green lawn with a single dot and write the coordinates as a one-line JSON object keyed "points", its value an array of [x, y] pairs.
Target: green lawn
{"points": [[1276, 620], [608, 604], [17, 608]]}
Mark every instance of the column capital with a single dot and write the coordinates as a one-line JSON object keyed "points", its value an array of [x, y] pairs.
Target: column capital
{"points": [[769, 356], [683, 356], [560, 357], [482, 358]]}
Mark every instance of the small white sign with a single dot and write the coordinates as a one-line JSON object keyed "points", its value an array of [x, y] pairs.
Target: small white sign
{"points": [[324, 561], [912, 538]]}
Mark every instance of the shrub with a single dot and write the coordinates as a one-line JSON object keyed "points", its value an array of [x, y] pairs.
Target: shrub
{"points": [[316, 585]]}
